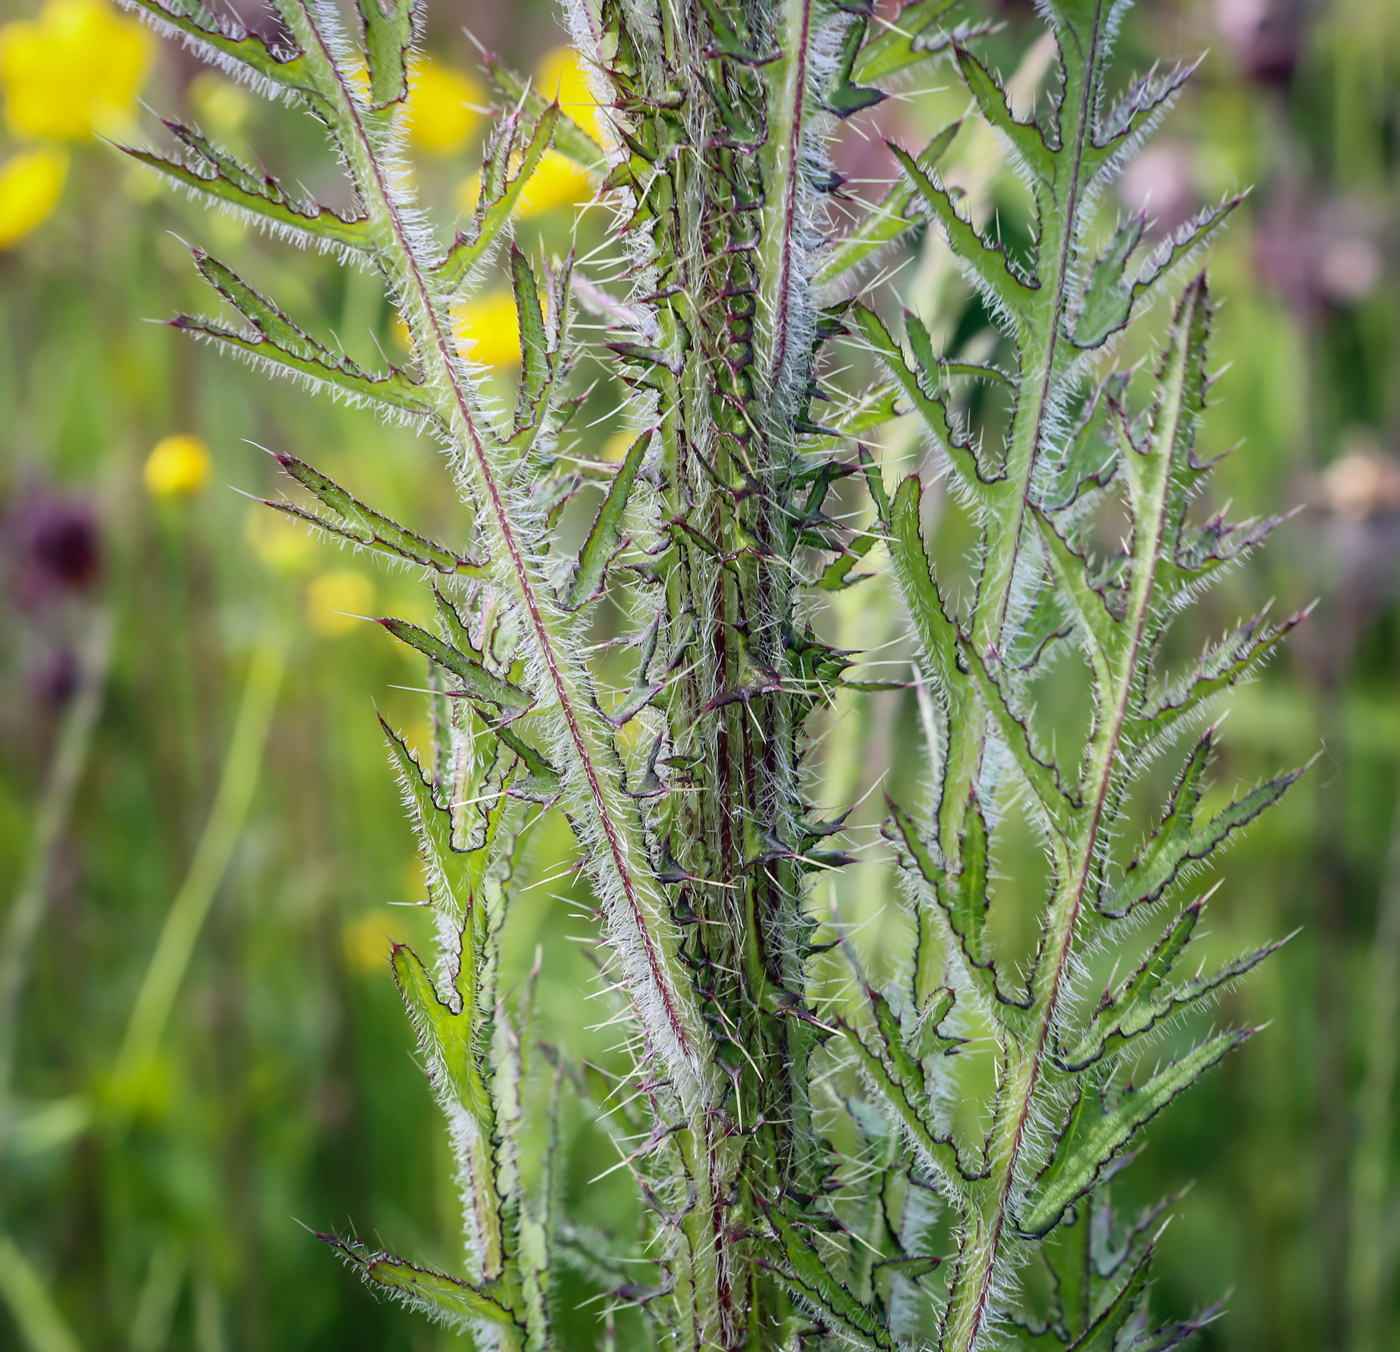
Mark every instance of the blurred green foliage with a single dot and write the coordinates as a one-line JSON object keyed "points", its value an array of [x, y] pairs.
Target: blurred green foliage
{"points": [[153, 1172]]}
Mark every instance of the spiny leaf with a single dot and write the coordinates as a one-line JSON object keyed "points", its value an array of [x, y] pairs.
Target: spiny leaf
{"points": [[569, 138], [456, 866], [1097, 623], [1115, 289], [843, 95], [1041, 775], [890, 219], [215, 36], [1150, 995], [967, 931], [938, 633], [932, 408], [808, 1276], [500, 194], [361, 524], [389, 29], [478, 683], [1179, 841], [448, 1300], [1025, 138], [282, 344], [446, 1029], [915, 34], [1104, 1333], [1092, 1138], [605, 538], [220, 176], [899, 1078], [989, 265]]}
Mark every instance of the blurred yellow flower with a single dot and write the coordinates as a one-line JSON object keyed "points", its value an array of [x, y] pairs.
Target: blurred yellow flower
{"points": [[177, 467], [365, 942], [560, 75], [557, 182], [30, 186], [282, 542], [488, 329], [222, 105], [73, 70], [439, 116], [337, 601], [619, 443]]}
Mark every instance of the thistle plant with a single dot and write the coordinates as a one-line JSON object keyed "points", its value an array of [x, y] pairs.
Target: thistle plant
{"points": [[814, 1165]]}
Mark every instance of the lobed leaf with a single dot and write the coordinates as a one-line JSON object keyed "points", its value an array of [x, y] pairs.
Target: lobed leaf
{"points": [[478, 683], [362, 525], [448, 1300], [605, 538], [1092, 1140], [284, 345]]}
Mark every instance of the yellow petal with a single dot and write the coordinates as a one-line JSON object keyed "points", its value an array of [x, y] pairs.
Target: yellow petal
{"points": [[177, 467], [335, 601], [440, 115], [30, 186], [76, 68]]}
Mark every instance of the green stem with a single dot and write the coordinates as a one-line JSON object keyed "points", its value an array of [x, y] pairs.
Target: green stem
{"points": [[185, 919], [1369, 1248], [28, 1299], [26, 913]]}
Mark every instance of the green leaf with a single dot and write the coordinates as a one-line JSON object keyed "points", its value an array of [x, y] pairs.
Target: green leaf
{"points": [[285, 346], [499, 195], [1179, 842], [448, 1037], [536, 367], [1042, 776], [1115, 289], [899, 1078], [1102, 631], [1026, 140], [964, 920], [843, 95], [448, 1300], [936, 630], [568, 137], [223, 178], [389, 29], [605, 538], [890, 219], [987, 264], [915, 34], [1126, 1305], [478, 683], [1150, 996], [951, 440], [1093, 1139], [362, 525], [457, 858], [215, 36], [809, 1277]]}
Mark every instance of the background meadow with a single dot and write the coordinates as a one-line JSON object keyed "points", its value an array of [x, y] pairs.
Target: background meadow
{"points": [[202, 854]]}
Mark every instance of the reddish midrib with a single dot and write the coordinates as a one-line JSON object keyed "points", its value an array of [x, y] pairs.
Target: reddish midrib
{"points": [[448, 358]]}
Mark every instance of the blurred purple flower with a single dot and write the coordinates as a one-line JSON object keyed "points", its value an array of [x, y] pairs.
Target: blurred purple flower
{"points": [[52, 547], [1266, 37]]}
